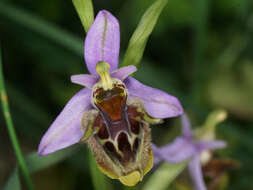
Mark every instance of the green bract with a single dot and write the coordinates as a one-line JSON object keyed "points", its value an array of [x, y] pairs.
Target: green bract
{"points": [[140, 36], [84, 9]]}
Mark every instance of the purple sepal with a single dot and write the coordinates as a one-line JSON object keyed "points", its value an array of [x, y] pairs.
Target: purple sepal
{"points": [[196, 173], [102, 42], [158, 104], [66, 129]]}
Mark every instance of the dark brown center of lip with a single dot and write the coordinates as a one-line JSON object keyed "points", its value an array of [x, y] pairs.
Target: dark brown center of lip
{"points": [[120, 139]]}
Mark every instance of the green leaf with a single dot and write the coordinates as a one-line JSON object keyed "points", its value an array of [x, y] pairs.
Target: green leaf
{"points": [[84, 9], [42, 27], [140, 36], [36, 163], [99, 180], [164, 175], [13, 183], [201, 19]]}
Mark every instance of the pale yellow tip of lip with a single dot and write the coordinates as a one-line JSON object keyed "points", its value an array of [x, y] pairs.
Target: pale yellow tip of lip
{"points": [[131, 179]]}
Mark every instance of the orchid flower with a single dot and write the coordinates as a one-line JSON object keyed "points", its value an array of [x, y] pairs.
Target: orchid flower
{"points": [[113, 112], [185, 148]]}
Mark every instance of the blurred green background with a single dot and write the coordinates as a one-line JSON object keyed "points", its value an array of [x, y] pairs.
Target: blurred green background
{"points": [[199, 51]]}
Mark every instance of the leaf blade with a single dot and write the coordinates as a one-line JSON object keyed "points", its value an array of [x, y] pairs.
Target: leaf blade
{"points": [[140, 36], [85, 12], [11, 129], [164, 175], [42, 27], [36, 163], [98, 178]]}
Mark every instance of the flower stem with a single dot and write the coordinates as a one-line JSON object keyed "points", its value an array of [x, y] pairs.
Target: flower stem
{"points": [[99, 180], [200, 46], [11, 130]]}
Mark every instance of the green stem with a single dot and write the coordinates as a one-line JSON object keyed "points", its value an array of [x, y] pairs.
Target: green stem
{"points": [[11, 130], [99, 180], [200, 75]]}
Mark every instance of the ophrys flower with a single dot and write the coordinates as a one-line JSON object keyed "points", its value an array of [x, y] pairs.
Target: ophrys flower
{"points": [[186, 147], [112, 114]]}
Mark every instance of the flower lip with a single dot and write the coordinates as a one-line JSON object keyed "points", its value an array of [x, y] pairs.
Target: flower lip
{"points": [[120, 150]]}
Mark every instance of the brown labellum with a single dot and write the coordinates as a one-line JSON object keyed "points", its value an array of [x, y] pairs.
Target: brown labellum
{"points": [[216, 168], [118, 134]]}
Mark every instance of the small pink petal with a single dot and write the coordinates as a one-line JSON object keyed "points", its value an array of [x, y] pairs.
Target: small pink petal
{"points": [[124, 72], [85, 80]]}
